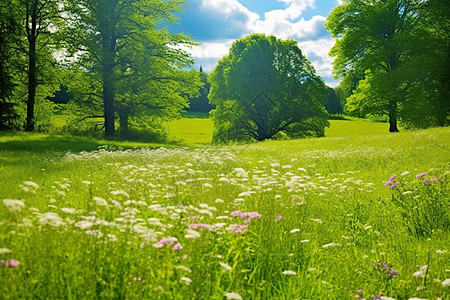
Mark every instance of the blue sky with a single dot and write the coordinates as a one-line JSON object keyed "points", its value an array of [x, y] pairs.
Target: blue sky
{"points": [[215, 24]]}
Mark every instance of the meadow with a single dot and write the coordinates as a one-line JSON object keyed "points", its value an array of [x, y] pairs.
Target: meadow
{"points": [[359, 214]]}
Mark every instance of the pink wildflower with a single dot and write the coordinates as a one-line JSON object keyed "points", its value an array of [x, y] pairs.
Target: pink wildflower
{"points": [[388, 183], [177, 247], [421, 175], [437, 179], [142, 245], [13, 263], [254, 215], [394, 185], [236, 213], [278, 218], [426, 181], [392, 177]]}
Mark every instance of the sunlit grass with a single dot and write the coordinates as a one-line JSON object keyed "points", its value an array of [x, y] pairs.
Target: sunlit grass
{"points": [[303, 219]]}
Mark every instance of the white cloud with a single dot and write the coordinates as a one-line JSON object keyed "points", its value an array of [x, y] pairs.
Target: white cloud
{"points": [[317, 53], [216, 49]]}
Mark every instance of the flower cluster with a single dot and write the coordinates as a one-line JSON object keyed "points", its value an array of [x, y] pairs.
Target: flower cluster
{"points": [[383, 268]]}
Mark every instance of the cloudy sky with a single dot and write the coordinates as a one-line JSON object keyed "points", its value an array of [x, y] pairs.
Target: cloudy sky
{"points": [[215, 24]]}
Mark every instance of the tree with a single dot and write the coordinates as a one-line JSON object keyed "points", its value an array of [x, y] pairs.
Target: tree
{"points": [[201, 103], [391, 42], [333, 106], [8, 29], [369, 38], [137, 62], [33, 50], [266, 87]]}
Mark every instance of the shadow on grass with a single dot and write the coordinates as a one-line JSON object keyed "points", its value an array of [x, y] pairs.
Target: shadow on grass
{"points": [[19, 141]]}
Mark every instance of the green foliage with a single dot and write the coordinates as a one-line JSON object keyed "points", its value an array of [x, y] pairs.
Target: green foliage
{"points": [[201, 102], [135, 64], [394, 42], [422, 202], [263, 87]]}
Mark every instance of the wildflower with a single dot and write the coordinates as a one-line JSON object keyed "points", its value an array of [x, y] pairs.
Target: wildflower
{"points": [[317, 220], [394, 185], [446, 282], [10, 262], [100, 201], [184, 268], [177, 247], [421, 175], [295, 230], [289, 272], [236, 213], [278, 218], [304, 241], [404, 173], [31, 184], [233, 296], [186, 280], [225, 266], [4, 250], [392, 177], [330, 245], [422, 272], [192, 234], [437, 179], [407, 193], [426, 181], [14, 205]]}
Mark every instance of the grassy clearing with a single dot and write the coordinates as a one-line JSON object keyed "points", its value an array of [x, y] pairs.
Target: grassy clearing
{"points": [[305, 219], [198, 129]]}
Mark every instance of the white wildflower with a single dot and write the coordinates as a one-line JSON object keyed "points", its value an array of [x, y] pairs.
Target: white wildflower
{"points": [[441, 251], [330, 245], [422, 272], [186, 280], [206, 212], [317, 220], [289, 272], [192, 234], [386, 298], [51, 218], [225, 266], [404, 173], [294, 230], [184, 268], [14, 205], [120, 192], [219, 201], [234, 296], [84, 224], [446, 282], [31, 184], [4, 250], [304, 241], [68, 210], [100, 201]]}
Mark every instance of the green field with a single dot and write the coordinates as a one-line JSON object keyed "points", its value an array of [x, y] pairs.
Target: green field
{"points": [[198, 129], [301, 219]]}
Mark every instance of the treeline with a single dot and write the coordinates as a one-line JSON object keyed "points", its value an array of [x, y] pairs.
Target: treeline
{"points": [[394, 60], [116, 59]]}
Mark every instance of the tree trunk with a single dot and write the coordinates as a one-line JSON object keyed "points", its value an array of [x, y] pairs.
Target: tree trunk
{"points": [[108, 86], [393, 116], [32, 80], [123, 119]]}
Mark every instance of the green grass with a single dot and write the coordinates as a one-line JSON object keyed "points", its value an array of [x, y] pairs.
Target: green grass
{"points": [[102, 224], [198, 129]]}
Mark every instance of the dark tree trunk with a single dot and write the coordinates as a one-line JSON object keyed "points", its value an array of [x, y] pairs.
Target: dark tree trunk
{"points": [[393, 116], [32, 80], [123, 119], [108, 84]]}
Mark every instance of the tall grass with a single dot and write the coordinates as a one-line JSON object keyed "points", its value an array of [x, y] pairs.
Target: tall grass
{"points": [[305, 219]]}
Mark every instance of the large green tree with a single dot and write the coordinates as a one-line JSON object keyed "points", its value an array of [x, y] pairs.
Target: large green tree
{"points": [[136, 61], [266, 86], [393, 44]]}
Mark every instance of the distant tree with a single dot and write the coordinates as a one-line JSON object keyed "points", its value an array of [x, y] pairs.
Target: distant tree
{"points": [[266, 87], [333, 106], [201, 102], [135, 64]]}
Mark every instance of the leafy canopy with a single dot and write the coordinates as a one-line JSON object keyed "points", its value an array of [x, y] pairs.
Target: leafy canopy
{"points": [[266, 88]]}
